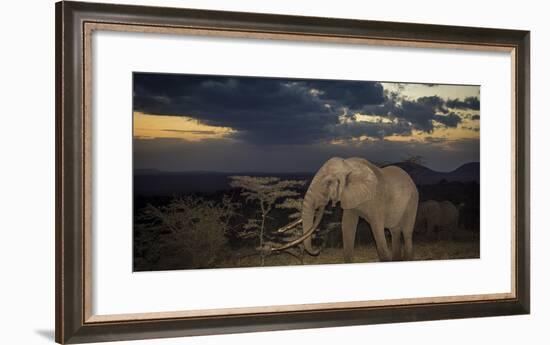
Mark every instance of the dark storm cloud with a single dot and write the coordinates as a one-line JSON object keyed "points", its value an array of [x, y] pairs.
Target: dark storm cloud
{"points": [[467, 103], [450, 120], [419, 113], [434, 102], [351, 94], [291, 111], [422, 111], [262, 110]]}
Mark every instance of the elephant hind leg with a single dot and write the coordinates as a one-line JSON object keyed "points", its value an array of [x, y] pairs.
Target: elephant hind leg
{"points": [[396, 243], [407, 227], [407, 238]]}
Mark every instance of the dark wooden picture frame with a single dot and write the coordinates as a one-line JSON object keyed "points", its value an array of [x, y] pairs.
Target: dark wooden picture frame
{"points": [[74, 24]]}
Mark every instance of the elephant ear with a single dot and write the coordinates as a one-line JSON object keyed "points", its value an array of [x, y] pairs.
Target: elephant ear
{"points": [[360, 183]]}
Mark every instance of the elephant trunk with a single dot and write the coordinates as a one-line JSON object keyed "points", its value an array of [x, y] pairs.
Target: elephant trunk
{"points": [[311, 218]]}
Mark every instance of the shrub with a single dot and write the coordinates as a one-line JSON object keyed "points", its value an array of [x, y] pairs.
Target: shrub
{"points": [[190, 230]]}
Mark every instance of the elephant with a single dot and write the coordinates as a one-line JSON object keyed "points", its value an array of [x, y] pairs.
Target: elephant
{"points": [[386, 198], [437, 215]]}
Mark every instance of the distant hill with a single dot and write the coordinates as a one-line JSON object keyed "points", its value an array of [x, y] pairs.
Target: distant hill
{"points": [[156, 182], [422, 175]]}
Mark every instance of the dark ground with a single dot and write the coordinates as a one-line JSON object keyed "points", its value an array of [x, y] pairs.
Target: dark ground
{"points": [[155, 248], [423, 250]]}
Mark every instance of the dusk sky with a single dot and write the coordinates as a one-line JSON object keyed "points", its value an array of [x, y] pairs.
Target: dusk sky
{"points": [[250, 124]]}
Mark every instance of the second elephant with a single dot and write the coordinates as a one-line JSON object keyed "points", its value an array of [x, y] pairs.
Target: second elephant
{"points": [[440, 216]]}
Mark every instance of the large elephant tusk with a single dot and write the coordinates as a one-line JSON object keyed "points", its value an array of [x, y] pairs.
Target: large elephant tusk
{"points": [[290, 226], [296, 241]]}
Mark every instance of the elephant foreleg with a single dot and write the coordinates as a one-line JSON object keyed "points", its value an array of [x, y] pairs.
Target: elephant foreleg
{"points": [[349, 227], [380, 239]]}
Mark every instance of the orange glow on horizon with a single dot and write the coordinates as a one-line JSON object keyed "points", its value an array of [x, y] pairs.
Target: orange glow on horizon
{"points": [[149, 126]]}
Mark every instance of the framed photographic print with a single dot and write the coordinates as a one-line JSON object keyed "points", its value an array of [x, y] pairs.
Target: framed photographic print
{"points": [[222, 172]]}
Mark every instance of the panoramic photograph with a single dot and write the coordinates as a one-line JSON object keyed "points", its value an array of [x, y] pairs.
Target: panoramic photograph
{"points": [[237, 171]]}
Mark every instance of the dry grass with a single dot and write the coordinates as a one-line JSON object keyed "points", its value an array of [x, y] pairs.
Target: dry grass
{"points": [[428, 250]]}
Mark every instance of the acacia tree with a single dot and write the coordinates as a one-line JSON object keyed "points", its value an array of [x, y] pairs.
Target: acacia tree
{"points": [[415, 159], [294, 204], [266, 192]]}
